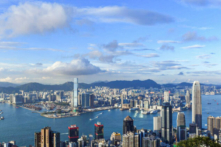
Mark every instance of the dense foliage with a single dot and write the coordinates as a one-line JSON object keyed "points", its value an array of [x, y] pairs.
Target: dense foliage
{"points": [[198, 142]]}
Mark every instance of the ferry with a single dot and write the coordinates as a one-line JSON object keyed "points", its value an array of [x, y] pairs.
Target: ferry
{"points": [[131, 109], [153, 111], [146, 112]]}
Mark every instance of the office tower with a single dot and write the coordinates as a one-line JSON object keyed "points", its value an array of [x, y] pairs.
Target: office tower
{"points": [[47, 138], [181, 126], [166, 96], [128, 125], [91, 100], [146, 104], [122, 100], [157, 125], [142, 133], [187, 97], [196, 104], [192, 128], [210, 120], [98, 131], [141, 104], [135, 103], [150, 142], [85, 100], [166, 114], [74, 99], [73, 132], [131, 103], [160, 102]]}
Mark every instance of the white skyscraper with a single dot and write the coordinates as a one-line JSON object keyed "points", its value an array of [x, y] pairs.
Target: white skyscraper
{"points": [[74, 99], [196, 104], [166, 96]]}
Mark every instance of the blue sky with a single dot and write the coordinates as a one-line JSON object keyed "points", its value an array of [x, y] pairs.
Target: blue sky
{"points": [[51, 42]]}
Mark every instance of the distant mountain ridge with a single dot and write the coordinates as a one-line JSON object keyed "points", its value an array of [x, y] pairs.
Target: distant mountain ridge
{"points": [[68, 86]]}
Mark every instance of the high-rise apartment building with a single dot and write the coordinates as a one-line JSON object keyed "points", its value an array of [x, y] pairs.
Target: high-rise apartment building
{"points": [[196, 104], [214, 125], [181, 127], [98, 130], [47, 138], [74, 99], [166, 114], [130, 140], [73, 133], [157, 124], [128, 125]]}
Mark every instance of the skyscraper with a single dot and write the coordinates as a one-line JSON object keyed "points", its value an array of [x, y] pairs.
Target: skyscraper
{"points": [[47, 138], [181, 126], [196, 104], [74, 99], [128, 125], [166, 96], [98, 131], [73, 133], [187, 97], [157, 125], [166, 114]]}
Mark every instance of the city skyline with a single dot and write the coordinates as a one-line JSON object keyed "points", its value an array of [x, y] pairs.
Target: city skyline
{"points": [[52, 41]]}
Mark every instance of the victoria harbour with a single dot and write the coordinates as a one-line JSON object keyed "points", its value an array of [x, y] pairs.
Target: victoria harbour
{"points": [[20, 124]]}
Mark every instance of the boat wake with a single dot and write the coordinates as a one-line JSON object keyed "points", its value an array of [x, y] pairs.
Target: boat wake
{"points": [[96, 116], [64, 133]]}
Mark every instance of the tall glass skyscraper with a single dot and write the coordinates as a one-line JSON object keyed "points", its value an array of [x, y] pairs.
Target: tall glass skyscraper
{"points": [[166, 130], [196, 104], [74, 99]]}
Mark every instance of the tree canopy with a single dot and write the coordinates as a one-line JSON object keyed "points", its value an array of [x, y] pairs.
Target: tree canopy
{"points": [[197, 142]]}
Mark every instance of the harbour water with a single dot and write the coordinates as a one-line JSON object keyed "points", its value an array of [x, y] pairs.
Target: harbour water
{"points": [[20, 124]]}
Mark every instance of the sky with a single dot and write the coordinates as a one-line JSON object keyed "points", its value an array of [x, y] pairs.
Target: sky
{"points": [[54, 41]]}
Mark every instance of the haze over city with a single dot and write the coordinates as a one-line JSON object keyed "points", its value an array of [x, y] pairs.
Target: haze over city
{"points": [[52, 42]]}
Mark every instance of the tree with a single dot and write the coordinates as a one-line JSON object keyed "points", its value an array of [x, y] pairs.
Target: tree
{"points": [[197, 142]]}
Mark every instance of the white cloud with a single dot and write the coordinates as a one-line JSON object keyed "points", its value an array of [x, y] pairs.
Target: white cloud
{"points": [[111, 14], [167, 41], [151, 55], [131, 45], [8, 79], [37, 17], [194, 46], [78, 66], [203, 3], [205, 56]]}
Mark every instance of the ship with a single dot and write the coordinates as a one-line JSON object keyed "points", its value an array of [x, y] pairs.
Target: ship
{"points": [[208, 103], [153, 111], [131, 109], [146, 112], [2, 118]]}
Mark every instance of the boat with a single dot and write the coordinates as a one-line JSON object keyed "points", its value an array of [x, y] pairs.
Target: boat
{"points": [[136, 111], [90, 119], [131, 109], [217, 103], [109, 110], [208, 103], [207, 112], [2, 118], [16, 107], [146, 112], [153, 111]]}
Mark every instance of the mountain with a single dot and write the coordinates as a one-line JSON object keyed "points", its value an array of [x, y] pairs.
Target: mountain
{"points": [[69, 86], [7, 84]]}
